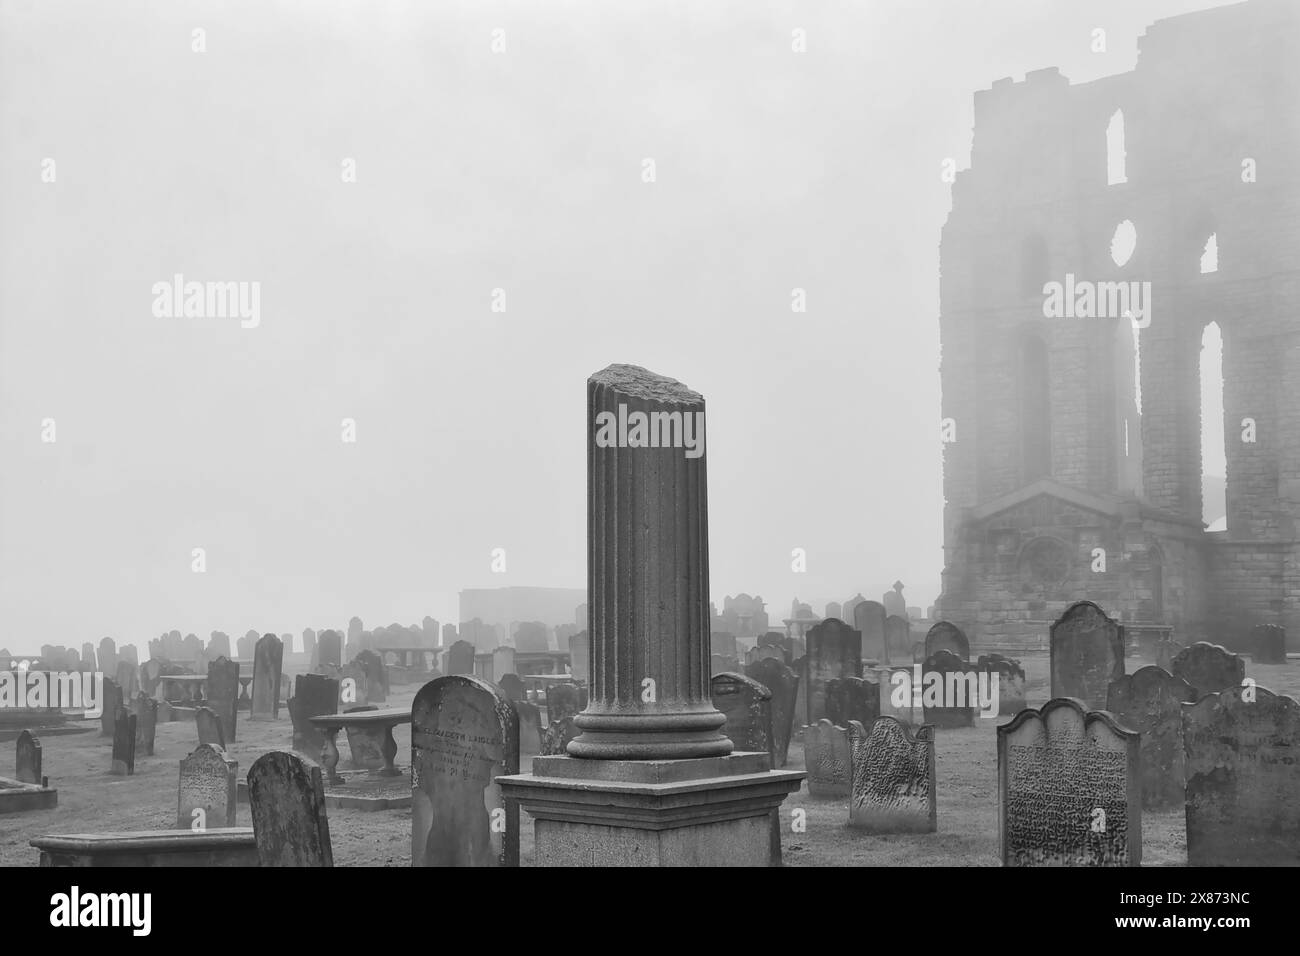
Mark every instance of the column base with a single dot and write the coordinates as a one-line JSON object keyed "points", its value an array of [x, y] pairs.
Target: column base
{"points": [[710, 811]]}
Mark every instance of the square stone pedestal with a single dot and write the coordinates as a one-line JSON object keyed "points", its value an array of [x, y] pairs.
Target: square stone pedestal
{"points": [[711, 811]]}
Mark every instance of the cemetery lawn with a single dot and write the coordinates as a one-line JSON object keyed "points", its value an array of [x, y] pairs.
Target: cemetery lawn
{"points": [[91, 800]]}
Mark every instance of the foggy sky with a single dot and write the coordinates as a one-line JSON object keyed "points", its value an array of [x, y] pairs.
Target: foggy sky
{"points": [[475, 171]]}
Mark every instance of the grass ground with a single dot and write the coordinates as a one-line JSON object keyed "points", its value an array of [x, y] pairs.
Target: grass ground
{"points": [[91, 800]]}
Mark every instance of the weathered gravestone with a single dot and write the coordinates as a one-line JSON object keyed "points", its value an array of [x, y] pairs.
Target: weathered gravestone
{"points": [[827, 759], [464, 734], [27, 759], [1011, 682], [783, 684], [145, 709], [834, 650], [950, 692], [1087, 653], [579, 652], [286, 798], [123, 744], [329, 649], [1209, 668], [460, 659], [1069, 788], [223, 694], [313, 695], [1268, 643], [898, 637], [207, 791], [562, 700], [1242, 779], [268, 666], [209, 727], [1150, 701], [946, 636], [111, 703], [512, 686], [555, 741], [852, 698], [530, 730], [893, 788], [747, 705], [869, 620]]}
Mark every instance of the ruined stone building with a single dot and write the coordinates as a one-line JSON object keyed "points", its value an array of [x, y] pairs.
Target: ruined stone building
{"points": [[1068, 472]]}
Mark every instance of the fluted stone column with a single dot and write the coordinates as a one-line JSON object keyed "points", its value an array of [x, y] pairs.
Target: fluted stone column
{"points": [[648, 573]]}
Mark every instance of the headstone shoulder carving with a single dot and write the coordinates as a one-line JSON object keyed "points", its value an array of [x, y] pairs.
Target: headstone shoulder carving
{"points": [[207, 792]]}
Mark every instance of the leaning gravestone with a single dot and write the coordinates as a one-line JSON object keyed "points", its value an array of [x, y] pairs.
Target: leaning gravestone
{"points": [[268, 666], [209, 727], [946, 636], [27, 759], [460, 658], [852, 698], [286, 798], [124, 744], [146, 723], [1268, 643], [826, 755], [747, 705], [898, 637], [223, 694], [1069, 788], [1243, 779], [313, 696], [207, 791], [1087, 653], [869, 619], [1011, 682], [783, 684], [1150, 701], [1209, 668], [893, 778], [834, 650], [464, 734], [950, 692]]}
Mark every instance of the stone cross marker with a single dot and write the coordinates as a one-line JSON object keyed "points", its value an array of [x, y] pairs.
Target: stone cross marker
{"points": [[1150, 701], [286, 797], [852, 698], [1243, 779], [27, 760], [826, 753], [209, 727], [893, 778], [1069, 788], [783, 684], [869, 620], [747, 705], [834, 650], [464, 734], [1087, 653], [208, 783], [268, 665], [945, 636], [124, 744], [313, 696], [223, 694], [1209, 668], [1268, 643]]}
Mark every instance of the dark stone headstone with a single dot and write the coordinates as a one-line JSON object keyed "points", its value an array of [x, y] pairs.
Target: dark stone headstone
{"points": [[1150, 701], [562, 701], [206, 795], [1069, 788], [512, 686], [530, 729], [145, 709], [313, 695], [747, 705], [460, 659], [834, 650], [949, 637], [286, 797], [893, 778], [852, 698], [124, 744], [949, 690], [826, 755], [1209, 668], [1243, 779], [112, 702], [869, 620], [209, 727], [464, 734], [27, 760], [1011, 682], [1087, 653], [223, 694], [329, 649], [1268, 643], [783, 684], [268, 667]]}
